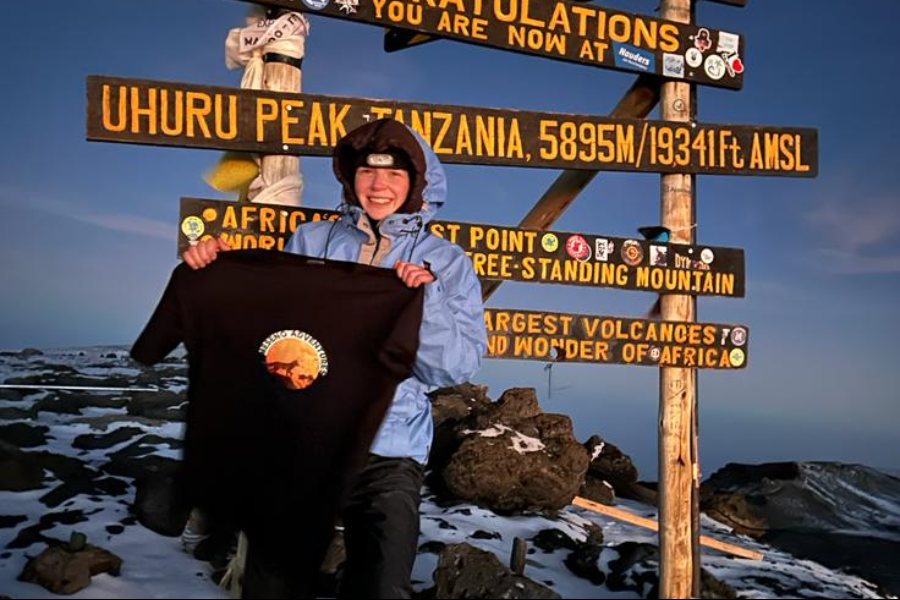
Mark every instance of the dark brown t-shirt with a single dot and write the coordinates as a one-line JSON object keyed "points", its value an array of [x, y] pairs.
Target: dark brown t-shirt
{"points": [[292, 365]]}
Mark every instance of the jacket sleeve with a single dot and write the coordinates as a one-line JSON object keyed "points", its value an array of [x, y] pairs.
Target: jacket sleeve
{"points": [[296, 244], [452, 337]]}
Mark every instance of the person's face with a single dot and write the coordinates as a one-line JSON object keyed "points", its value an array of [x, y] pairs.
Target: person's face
{"points": [[381, 192]]}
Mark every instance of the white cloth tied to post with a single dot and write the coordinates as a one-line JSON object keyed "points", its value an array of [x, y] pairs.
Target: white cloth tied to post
{"points": [[245, 47]]}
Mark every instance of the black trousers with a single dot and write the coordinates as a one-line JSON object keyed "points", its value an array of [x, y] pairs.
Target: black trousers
{"points": [[381, 533]]}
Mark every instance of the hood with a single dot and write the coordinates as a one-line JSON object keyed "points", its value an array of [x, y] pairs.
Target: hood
{"points": [[428, 182]]}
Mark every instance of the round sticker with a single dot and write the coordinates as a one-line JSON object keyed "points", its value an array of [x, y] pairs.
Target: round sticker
{"points": [[736, 357], [715, 67], [193, 228], [578, 248], [655, 353], [209, 215], [738, 336], [632, 253], [296, 358], [707, 256], [550, 243], [316, 4], [693, 57]]}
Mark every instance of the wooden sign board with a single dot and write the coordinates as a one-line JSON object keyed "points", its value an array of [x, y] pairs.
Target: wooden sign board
{"points": [[741, 3], [193, 116], [559, 337], [562, 30], [502, 253]]}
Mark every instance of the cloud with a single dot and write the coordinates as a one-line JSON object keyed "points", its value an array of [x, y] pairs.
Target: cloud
{"points": [[860, 235], [131, 224], [850, 263], [119, 222]]}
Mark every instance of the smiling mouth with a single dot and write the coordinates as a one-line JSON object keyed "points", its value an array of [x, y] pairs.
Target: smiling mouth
{"points": [[382, 201]]}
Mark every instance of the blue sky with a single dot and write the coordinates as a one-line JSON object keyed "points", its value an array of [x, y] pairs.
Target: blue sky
{"points": [[87, 232]]}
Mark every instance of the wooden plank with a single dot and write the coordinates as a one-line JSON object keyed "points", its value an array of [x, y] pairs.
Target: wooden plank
{"points": [[186, 115], [561, 337], [561, 30], [740, 3], [502, 253], [651, 524]]}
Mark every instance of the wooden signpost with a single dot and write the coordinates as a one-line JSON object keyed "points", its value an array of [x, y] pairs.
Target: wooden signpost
{"points": [[670, 49], [501, 253], [193, 116], [559, 29]]}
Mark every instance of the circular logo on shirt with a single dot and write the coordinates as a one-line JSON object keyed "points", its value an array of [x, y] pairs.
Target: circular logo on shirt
{"points": [[632, 253], [295, 357], [550, 243], [193, 228], [736, 357], [578, 248]]}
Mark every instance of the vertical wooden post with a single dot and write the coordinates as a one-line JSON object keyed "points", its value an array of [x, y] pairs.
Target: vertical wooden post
{"points": [[280, 76], [676, 386]]}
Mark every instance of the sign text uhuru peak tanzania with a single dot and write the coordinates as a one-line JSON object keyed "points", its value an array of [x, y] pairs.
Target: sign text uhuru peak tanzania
{"points": [[175, 114]]}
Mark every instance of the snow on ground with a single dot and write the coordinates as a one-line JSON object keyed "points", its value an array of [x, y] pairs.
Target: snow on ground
{"points": [[156, 567]]}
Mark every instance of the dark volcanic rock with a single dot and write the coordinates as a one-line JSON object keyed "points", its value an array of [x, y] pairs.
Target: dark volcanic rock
{"points": [[550, 540], [582, 561], [136, 468], [636, 569], [24, 435], [65, 467], [145, 446], [34, 534], [842, 516], [64, 375], [451, 410], [158, 405], [513, 406], [59, 404], [598, 490], [537, 465], [159, 506], [11, 413], [96, 442], [19, 471], [104, 422], [734, 511], [106, 486], [612, 466], [11, 395], [9, 521], [467, 572], [63, 572]]}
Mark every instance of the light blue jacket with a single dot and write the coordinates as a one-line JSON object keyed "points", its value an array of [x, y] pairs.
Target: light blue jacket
{"points": [[452, 337]]}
